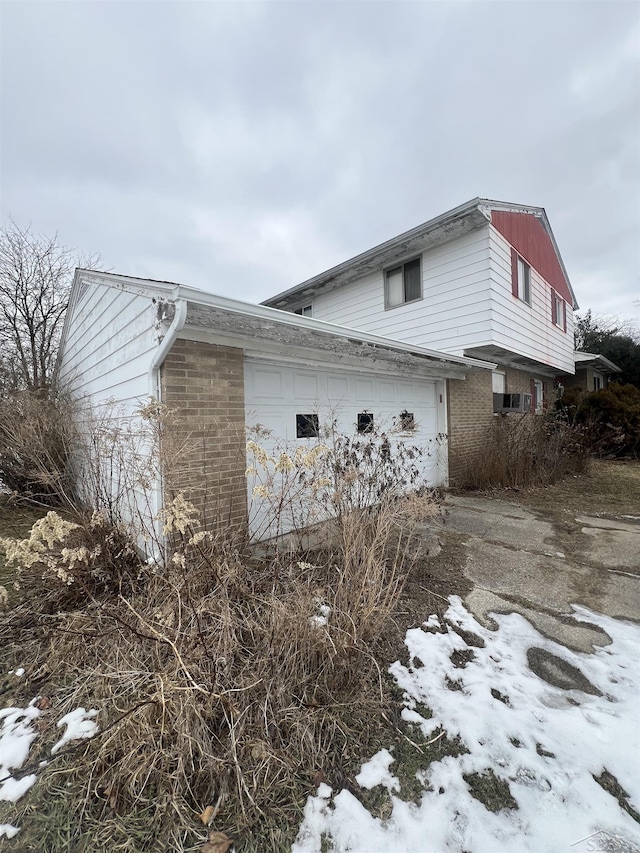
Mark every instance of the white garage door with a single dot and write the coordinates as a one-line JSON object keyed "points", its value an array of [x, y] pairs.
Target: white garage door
{"points": [[286, 401]]}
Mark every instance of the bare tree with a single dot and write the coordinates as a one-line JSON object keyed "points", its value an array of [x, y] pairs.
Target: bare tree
{"points": [[35, 280]]}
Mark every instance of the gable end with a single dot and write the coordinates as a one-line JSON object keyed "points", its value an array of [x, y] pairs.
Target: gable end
{"points": [[528, 236]]}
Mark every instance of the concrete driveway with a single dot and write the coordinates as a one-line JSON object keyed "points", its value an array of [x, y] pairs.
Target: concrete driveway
{"points": [[520, 561]]}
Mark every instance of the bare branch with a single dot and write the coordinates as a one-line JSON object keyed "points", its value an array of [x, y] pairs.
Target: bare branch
{"points": [[35, 281]]}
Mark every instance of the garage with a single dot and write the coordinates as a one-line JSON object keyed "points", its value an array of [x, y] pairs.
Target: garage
{"points": [[297, 405]]}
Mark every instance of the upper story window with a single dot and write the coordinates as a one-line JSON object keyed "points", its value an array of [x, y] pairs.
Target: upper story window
{"points": [[520, 277], [558, 315], [304, 310], [403, 284], [524, 281]]}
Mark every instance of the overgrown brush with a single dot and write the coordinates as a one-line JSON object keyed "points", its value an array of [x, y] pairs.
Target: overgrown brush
{"points": [[611, 419], [36, 437], [527, 450], [225, 684]]}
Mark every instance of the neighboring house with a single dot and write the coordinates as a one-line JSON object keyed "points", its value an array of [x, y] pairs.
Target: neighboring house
{"points": [[593, 372], [486, 281], [225, 365]]}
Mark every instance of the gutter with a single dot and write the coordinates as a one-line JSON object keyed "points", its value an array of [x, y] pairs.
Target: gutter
{"points": [[177, 324], [274, 316]]}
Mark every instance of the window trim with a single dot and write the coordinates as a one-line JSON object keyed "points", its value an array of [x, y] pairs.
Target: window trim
{"points": [[401, 265], [515, 277], [303, 420], [526, 298], [365, 423], [304, 310], [537, 400], [560, 322]]}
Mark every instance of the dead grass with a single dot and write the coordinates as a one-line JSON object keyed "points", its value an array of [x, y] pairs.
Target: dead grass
{"points": [[607, 488]]}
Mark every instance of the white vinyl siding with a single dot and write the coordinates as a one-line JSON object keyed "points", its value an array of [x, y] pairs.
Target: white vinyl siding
{"points": [[455, 309], [109, 347], [105, 364], [467, 302]]}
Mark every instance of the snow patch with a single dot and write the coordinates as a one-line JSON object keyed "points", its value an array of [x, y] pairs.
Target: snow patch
{"points": [[545, 743], [8, 830], [79, 725], [376, 772]]}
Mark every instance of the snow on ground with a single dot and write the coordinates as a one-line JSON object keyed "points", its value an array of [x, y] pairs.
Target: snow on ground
{"points": [[17, 734], [545, 742], [79, 725]]}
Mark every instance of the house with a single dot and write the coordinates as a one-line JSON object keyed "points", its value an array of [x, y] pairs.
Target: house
{"points": [[225, 365], [593, 372], [485, 281]]}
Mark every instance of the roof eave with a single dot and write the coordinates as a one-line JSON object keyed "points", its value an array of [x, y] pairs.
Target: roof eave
{"points": [[384, 253]]}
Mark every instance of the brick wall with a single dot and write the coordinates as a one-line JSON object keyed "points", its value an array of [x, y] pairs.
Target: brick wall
{"points": [[204, 384], [518, 381], [470, 416]]}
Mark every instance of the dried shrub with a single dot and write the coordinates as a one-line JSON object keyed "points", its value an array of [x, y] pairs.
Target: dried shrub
{"points": [[225, 683], [36, 437], [527, 450], [71, 561], [611, 418]]}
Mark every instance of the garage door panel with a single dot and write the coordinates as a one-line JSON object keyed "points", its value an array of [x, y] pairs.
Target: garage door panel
{"points": [[277, 422], [306, 385], [276, 394], [387, 391], [267, 384], [338, 389], [364, 391]]}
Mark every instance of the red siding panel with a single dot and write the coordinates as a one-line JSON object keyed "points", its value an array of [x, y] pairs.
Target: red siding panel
{"points": [[527, 235]]}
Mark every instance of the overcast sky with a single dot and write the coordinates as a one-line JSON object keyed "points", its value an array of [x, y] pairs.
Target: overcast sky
{"points": [[242, 147]]}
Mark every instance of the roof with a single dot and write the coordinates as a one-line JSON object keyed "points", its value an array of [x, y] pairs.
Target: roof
{"points": [[592, 359], [454, 223], [231, 318]]}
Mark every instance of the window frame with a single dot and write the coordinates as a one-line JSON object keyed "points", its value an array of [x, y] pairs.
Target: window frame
{"points": [[558, 317], [526, 284], [387, 305], [303, 421], [304, 310], [365, 423], [537, 397]]}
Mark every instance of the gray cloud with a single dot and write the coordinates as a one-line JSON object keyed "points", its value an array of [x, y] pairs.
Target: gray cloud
{"points": [[243, 147]]}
